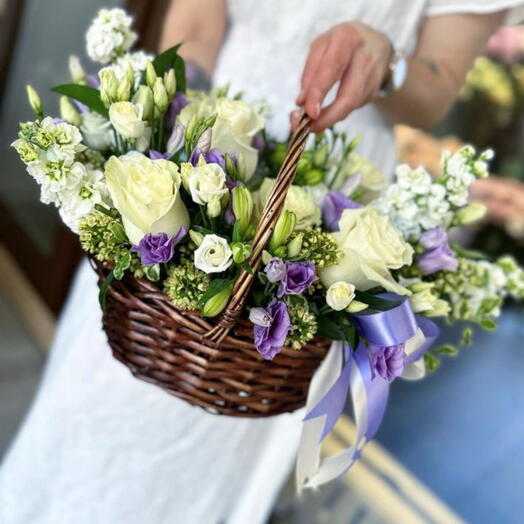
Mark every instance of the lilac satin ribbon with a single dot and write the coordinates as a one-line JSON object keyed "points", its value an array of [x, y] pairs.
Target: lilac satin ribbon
{"points": [[385, 328]]}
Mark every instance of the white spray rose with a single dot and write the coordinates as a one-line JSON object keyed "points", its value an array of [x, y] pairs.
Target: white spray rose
{"points": [[298, 200], [372, 246], [146, 193], [339, 295], [207, 185], [126, 118], [213, 255], [96, 131]]}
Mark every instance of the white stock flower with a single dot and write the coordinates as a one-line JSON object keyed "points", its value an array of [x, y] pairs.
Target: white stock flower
{"points": [[213, 255], [416, 180], [339, 295], [138, 61], [126, 118], [207, 185], [97, 131], [109, 35]]}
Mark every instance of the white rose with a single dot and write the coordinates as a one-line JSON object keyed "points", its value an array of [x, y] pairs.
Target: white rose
{"points": [[207, 185], [339, 295], [96, 131], [146, 193], [298, 200], [372, 246], [213, 255], [126, 118]]}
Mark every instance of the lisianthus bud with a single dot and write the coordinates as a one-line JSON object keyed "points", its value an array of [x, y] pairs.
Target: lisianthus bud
{"points": [[242, 202], [68, 111], [305, 163], [144, 97], [204, 141], [231, 167], [170, 83], [278, 155], [125, 85], [356, 306], [266, 256], [151, 77], [320, 156], [176, 140], [471, 213], [196, 237], [108, 86], [285, 226], [295, 245], [217, 303], [313, 177], [241, 251], [78, 75], [34, 101], [160, 95]]}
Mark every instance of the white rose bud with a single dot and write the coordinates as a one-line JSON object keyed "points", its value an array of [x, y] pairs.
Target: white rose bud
{"points": [[207, 185], [339, 295], [213, 255], [34, 101], [68, 111], [78, 75], [126, 118], [471, 213], [160, 95]]}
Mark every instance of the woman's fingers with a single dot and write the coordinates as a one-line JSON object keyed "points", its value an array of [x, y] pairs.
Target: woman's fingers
{"points": [[352, 93], [314, 59]]}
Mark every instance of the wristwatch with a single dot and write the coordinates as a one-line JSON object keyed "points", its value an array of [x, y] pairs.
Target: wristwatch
{"points": [[398, 71]]}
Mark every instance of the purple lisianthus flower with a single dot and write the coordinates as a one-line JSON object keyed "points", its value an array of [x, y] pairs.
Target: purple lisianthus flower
{"points": [[271, 333], [157, 155], [213, 156], [275, 270], [158, 248], [386, 362], [298, 277], [177, 104], [437, 259], [332, 207], [258, 142], [438, 254]]}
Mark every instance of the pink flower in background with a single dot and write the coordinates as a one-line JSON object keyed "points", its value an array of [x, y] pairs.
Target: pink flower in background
{"points": [[507, 44]]}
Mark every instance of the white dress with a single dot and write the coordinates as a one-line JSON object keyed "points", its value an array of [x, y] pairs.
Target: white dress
{"points": [[99, 446]]}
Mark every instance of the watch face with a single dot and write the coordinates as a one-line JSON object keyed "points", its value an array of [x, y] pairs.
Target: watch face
{"points": [[400, 73]]}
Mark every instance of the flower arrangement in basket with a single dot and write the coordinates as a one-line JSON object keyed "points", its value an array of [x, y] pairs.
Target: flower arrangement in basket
{"points": [[228, 262]]}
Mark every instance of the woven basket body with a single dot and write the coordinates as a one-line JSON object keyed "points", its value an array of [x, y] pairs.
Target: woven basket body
{"points": [[168, 348]]}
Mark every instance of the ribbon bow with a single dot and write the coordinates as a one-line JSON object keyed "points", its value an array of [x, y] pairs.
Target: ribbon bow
{"points": [[345, 372]]}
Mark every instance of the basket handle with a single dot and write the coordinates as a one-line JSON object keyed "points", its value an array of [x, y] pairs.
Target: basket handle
{"points": [[268, 220]]}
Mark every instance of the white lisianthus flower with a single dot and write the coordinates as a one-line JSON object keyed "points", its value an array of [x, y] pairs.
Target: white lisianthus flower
{"points": [[126, 118], [146, 193], [213, 255], [97, 131], [109, 35], [298, 200], [80, 201], [372, 246], [207, 185], [339, 295]]}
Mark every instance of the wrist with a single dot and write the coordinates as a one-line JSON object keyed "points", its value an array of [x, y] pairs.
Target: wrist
{"points": [[396, 71]]}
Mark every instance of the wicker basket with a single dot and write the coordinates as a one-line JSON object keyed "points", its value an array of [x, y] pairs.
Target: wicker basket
{"points": [[217, 366]]}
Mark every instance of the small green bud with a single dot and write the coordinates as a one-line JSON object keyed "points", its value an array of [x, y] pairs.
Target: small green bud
{"points": [[320, 156], [151, 77], [196, 237], [108, 86], [313, 177], [356, 306], [170, 83], [294, 247], [217, 303], [285, 226], [144, 97], [242, 202], [266, 257], [123, 93], [278, 155], [160, 95], [231, 168], [305, 163], [78, 75], [241, 251], [470, 213], [69, 112], [34, 101]]}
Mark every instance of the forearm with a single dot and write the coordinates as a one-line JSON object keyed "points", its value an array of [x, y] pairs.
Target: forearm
{"points": [[200, 25], [438, 68]]}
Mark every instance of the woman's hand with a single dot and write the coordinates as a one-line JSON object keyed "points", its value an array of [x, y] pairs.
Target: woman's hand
{"points": [[352, 53]]}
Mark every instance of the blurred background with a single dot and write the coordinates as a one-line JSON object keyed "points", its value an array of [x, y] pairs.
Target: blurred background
{"points": [[464, 458]]}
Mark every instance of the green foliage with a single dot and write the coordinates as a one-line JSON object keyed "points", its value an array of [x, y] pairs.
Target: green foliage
{"points": [[89, 96], [185, 284]]}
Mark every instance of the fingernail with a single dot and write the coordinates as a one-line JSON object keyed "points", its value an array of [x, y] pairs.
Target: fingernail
{"points": [[300, 95], [317, 110]]}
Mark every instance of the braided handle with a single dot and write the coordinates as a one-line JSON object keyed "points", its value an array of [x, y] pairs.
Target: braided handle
{"points": [[268, 220]]}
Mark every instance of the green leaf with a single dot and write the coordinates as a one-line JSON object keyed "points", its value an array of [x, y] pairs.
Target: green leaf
{"points": [[448, 349], [167, 60], [488, 324], [89, 96], [216, 287], [432, 362], [123, 263], [153, 272], [180, 73], [468, 253], [328, 328], [376, 303], [246, 267], [103, 290], [467, 335]]}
